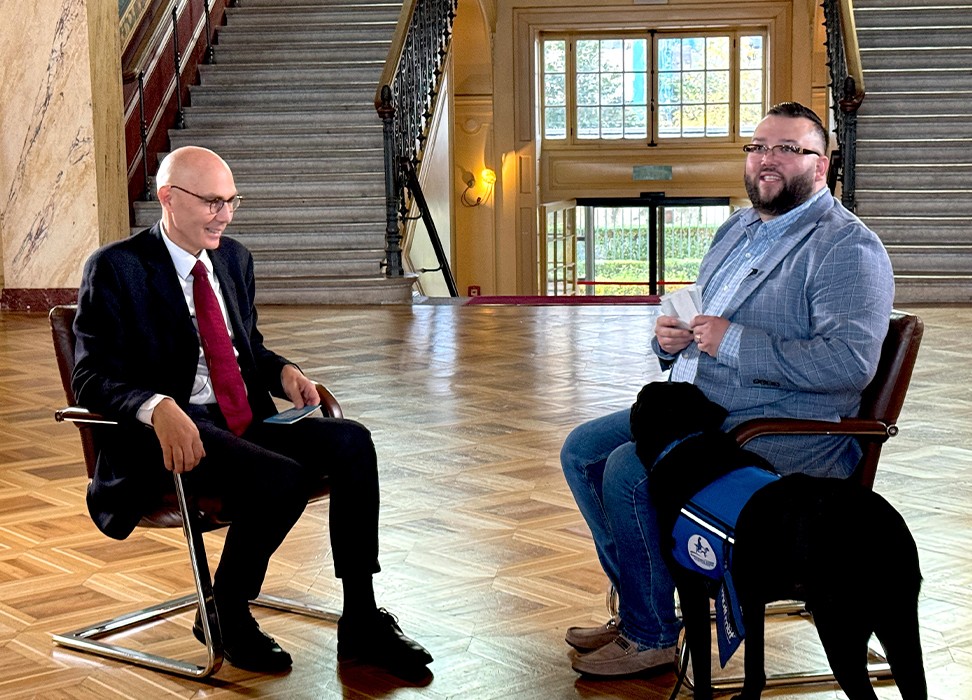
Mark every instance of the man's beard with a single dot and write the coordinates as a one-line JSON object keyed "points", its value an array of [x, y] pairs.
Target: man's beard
{"points": [[794, 192]]}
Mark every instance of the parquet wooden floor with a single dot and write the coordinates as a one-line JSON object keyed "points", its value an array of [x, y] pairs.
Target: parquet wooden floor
{"points": [[486, 559]]}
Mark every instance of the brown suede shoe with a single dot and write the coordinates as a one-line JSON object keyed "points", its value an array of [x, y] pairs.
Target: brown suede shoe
{"points": [[590, 638]]}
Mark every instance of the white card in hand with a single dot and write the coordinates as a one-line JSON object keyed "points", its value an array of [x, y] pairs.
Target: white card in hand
{"points": [[684, 304]]}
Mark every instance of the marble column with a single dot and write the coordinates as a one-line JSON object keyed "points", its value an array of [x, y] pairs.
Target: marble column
{"points": [[62, 176]]}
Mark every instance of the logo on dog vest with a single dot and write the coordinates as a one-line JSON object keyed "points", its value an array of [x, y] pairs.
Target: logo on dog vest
{"points": [[701, 553]]}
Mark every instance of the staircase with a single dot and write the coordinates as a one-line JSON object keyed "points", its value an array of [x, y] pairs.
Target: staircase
{"points": [[914, 172], [289, 105]]}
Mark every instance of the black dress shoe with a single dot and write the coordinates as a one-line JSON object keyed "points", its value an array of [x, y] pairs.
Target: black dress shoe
{"points": [[380, 641], [248, 647]]}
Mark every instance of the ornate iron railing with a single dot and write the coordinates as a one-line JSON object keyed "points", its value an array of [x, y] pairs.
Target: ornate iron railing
{"points": [[405, 101], [847, 87]]}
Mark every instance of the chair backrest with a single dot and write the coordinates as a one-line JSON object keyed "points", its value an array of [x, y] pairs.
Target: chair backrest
{"points": [[62, 330], [884, 396]]}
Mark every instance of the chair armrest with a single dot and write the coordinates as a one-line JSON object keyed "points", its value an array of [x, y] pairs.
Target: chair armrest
{"points": [[856, 427], [329, 404], [79, 414]]}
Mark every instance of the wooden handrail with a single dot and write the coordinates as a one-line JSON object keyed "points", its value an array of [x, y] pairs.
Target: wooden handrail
{"points": [[395, 50], [151, 42], [852, 50]]}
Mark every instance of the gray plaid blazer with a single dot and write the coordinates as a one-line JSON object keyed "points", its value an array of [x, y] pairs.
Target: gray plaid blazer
{"points": [[814, 318]]}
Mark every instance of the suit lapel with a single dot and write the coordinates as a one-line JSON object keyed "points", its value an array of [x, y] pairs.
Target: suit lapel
{"points": [[163, 278], [798, 231]]}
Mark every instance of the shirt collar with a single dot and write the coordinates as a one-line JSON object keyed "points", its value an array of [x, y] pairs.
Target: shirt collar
{"points": [[774, 228], [183, 260]]}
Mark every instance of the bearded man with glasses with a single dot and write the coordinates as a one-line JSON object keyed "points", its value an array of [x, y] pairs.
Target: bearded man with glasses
{"points": [[167, 337], [796, 296]]}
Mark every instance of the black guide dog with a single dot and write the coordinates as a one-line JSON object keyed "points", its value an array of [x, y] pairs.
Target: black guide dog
{"points": [[837, 546]]}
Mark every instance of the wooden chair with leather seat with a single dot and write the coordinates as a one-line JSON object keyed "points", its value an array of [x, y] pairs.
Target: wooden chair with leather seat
{"points": [[194, 516], [881, 404]]}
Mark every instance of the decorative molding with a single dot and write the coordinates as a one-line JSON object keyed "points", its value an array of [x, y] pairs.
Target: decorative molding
{"points": [[36, 300]]}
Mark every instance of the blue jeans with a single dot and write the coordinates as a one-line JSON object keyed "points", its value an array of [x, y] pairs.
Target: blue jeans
{"points": [[610, 486]]}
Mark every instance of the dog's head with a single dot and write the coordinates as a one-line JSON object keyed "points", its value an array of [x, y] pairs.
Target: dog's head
{"points": [[668, 411]]}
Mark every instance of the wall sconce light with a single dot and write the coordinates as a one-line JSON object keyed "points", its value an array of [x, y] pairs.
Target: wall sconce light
{"points": [[488, 178]]}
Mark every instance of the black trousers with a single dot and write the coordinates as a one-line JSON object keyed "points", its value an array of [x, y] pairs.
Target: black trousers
{"points": [[264, 477]]}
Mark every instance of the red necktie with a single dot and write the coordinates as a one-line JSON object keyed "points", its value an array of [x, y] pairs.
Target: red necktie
{"points": [[224, 370]]}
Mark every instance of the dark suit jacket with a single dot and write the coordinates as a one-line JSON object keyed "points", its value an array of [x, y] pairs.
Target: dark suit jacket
{"points": [[135, 338]]}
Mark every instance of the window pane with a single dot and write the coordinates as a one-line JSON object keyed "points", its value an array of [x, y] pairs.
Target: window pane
{"points": [[751, 86], [636, 55], [612, 92], [669, 88], [749, 116], [587, 55], [694, 91], [635, 89], [612, 122], [717, 120], [717, 53], [611, 73], [555, 123], [588, 90], [612, 57], [555, 90], [693, 54], [693, 87], [752, 76], [635, 122], [751, 52], [669, 121], [693, 120], [588, 122], [669, 54], [554, 56], [717, 87]]}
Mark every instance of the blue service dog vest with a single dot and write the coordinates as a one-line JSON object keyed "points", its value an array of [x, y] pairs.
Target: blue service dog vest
{"points": [[704, 535]]}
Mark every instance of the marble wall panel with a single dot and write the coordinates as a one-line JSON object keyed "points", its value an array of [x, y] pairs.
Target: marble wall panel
{"points": [[48, 188]]}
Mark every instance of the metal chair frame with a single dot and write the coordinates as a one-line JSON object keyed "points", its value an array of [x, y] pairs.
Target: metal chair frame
{"points": [[88, 639]]}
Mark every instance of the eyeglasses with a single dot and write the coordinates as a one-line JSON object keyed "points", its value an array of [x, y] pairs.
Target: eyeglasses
{"points": [[783, 150], [215, 205]]}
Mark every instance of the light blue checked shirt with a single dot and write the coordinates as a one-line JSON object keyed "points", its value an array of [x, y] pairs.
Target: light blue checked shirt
{"points": [[742, 262]]}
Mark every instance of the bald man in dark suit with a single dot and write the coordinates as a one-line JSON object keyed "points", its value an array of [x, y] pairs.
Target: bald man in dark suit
{"points": [[142, 324]]}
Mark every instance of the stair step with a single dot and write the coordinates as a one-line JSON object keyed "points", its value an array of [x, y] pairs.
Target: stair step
{"points": [[923, 259], [925, 57], [873, 5], [911, 202], [907, 37], [352, 92], [341, 240], [896, 126], [918, 80], [269, 17], [932, 289], [929, 15], [915, 151], [258, 117], [937, 229], [903, 103], [274, 143], [335, 290], [928, 177], [274, 267], [306, 76], [351, 161], [249, 53], [297, 33], [296, 4]]}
